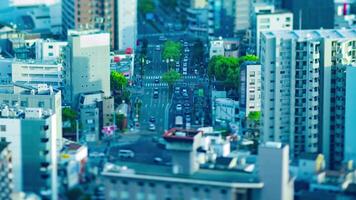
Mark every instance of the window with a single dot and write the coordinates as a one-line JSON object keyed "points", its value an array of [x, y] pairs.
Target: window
{"points": [[2, 128], [50, 46], [50, 54], [41, 104]]}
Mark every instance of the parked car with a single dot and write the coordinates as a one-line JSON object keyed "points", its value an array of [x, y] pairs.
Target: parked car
{"points": [[125, 153], [152, 127], [179, 107]]}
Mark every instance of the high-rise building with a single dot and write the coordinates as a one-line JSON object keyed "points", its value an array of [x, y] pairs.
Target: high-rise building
{"points": [[266, 18], [250, 87], [87, 64], [6, 174], [117, 17], [32, 136], [350, 114], [41, 96], [311, 14], [301, 89]]}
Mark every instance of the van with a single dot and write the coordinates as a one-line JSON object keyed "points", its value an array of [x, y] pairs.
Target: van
{"points": [[126, 154]]}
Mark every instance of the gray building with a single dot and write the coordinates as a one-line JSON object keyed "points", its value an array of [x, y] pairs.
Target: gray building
{"points": [[311, 14], [250, 87], [6, 175], [87, 64], [302, 89], [22, 96], [187, 178], [32, 136]]}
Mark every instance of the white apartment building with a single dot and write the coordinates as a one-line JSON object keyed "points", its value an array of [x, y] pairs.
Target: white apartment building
{"points": [[299, 73], [87, 64], [32, 136], [126, 24], [217, 48], [266, 18], [250, 87], [34, 72], [49, 49]]}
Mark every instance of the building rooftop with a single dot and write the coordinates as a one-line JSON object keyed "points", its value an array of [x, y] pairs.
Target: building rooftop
{"points": [[312, 34], [206, 175], [176, 134]]}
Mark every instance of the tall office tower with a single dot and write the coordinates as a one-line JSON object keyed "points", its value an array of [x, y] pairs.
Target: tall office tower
{"points": [[350, 114], [117, 17], [311, 14], [125, 24], [266, 18], [300, 70], [250, 87], [6, 174], [41, 96], [32, 136], [87, 64], [337, 80]]}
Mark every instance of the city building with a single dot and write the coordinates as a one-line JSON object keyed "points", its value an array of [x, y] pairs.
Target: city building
{"points": [[350, 112], [250, 87], [5, 70], [49, 49], [41, 96], [228, 47], [302, 76], [123, 62], [86, 65], [308, 14], [266, 18], [197, 21], [225, 112], [32, 136], [194, 174], [37, 72], [72, 164], [344, 18], [6, 175], [117, 17], [125, 24]]}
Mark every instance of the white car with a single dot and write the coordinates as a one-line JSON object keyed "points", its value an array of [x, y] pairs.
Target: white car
{"points": [[123, 153], [179, 107], [158, 48], [152, 127]]}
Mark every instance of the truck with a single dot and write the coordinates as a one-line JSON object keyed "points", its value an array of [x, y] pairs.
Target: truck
{"points": [[179, 121]]}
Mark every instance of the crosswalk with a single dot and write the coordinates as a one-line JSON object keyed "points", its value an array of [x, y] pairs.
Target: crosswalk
{"points": [[159, 77], [156, 85]]}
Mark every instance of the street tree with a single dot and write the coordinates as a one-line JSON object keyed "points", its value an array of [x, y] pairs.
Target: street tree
{"points": [[171, 50], [117, 81], [170, 78], [146, 6], [69, 115]]}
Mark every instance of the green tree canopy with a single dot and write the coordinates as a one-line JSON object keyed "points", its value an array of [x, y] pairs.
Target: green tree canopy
{"points": [[171, 77], [172, 50], [254, 116], [227, 69], [117, 81], [146, 6], [68, 114]]}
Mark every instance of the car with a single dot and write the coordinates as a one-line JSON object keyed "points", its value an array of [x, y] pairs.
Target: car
{"points": [[186, 50], [185, 69], [158, 160], [125, 153], [162, 38], [177, 69], [156, 80], [187, 118], [158, 48], [195, 71], [177, 90], [152, 127], [185, 92], [152, 119], [185, 44], [185, 73], [187, 112], [185, 64], [185, 60], [186, 104], [155, 94], [179, 107]]}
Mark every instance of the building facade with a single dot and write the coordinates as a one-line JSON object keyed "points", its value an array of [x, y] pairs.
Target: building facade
{"points": [[87, 64], [250, 87], [32, 136], [35, 72], [300, 85], [6, 175]]}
